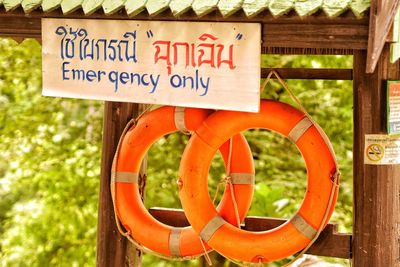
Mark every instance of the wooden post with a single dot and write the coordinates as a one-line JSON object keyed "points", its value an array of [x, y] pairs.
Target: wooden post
{"points": [[113, 249], [376, 230]]}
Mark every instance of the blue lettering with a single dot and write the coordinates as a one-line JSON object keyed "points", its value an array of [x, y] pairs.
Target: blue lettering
{"points": [[154, 82], [113, 77], [185, 78], [64, 71], [143, 81], [133, 76], [100, 72], [90, 75], [174, 84], [124, 77], [79, 74], [205, 85]]}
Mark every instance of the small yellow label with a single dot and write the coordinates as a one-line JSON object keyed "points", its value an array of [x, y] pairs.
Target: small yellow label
{"points": [[381, 149]]}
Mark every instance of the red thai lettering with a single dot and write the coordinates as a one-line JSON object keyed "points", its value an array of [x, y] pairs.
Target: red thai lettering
{"points": [[228, 61], [208, 52], [166, 56]]}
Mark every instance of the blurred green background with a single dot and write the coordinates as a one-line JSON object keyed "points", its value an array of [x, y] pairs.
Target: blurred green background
{"points": [[51, 149]]}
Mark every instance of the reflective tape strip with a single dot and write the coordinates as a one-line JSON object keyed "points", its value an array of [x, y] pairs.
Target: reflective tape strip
{"points": [[126, 177], [242, 178], [300, 128], [303, 227], [179, 118], [174, 237], [211, 227]]}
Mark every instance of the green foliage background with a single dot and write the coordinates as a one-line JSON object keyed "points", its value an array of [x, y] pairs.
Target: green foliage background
{"points": [[50, 147]]}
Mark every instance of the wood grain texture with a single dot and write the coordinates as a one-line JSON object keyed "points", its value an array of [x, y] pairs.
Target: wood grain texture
{"points": [[315, 35], [315, 74], [376, 228], [330, 243], [112, 247], [382, 14]]}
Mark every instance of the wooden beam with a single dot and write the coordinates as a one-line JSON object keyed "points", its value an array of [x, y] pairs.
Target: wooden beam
{"points": [[288, 31], [382, 14], [315, 35], [330, 243], [112, 248], [376, 221], [308, 73], [306, 51]]}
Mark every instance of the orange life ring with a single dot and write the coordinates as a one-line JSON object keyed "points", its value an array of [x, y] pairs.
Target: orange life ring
{"points": [[292, 236], [144, 228]]}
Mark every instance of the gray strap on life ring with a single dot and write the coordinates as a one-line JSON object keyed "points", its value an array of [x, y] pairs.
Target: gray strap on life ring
{"points": [[242, 178], [174, 237], [179, 119], [300, 128], [126, 177], [303, 226], [211, 227]]}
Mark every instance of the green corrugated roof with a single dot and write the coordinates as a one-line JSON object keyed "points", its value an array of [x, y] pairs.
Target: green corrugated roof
{"points": [[251, 8]]}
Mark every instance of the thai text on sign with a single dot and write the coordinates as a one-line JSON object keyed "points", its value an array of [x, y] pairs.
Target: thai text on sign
{"points": [[208, 65]]}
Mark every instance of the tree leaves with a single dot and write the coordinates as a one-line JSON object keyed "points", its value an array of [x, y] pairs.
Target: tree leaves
{"points": [[49, 176], [50, 161]]}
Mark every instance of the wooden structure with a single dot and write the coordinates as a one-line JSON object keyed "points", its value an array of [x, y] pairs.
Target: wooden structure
{"points": [[351, 27]]}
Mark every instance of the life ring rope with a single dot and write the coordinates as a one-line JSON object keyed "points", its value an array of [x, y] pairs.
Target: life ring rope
{"points": [[131, 177], [121, 177], [335, 186], [294, 136], [297, 220], [232, 178]]}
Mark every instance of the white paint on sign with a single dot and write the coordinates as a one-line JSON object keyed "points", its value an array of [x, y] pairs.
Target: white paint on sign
{"points": [[381, 149], [195, 64]]}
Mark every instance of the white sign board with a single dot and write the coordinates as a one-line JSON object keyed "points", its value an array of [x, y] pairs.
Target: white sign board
{"points": [[194, 64], [381, 149]]}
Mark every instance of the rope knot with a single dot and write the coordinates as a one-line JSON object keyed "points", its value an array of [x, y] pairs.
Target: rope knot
{"points": [[227, 179], [127, 233], [335, 176]]}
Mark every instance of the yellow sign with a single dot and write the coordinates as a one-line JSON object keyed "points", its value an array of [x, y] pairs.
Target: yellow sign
{"points": [[381, 149]]}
